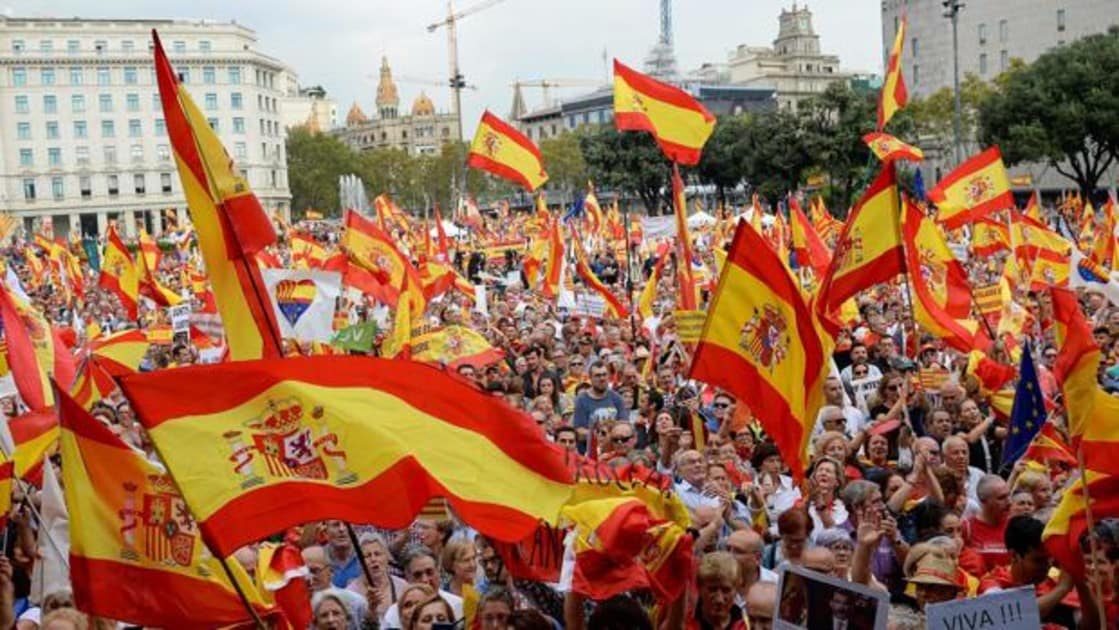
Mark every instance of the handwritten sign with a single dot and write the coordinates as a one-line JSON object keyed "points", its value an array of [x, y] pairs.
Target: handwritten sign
{"points": [[1016, 608], [589, 305], [689, 325], [180, 317]]}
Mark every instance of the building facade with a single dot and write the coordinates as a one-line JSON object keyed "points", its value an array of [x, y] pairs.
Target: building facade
{"points": [[421, 131], [82, 135], [308, 107]]}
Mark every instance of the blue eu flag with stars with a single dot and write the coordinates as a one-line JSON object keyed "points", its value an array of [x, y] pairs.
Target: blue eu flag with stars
{"points": [[1028, 413]]}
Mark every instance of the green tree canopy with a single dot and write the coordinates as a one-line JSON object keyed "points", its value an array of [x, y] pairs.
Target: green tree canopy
{"points": [[630, 162]]}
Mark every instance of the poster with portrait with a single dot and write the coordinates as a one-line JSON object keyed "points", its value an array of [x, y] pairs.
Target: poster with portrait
{"points": [[813, 601]]}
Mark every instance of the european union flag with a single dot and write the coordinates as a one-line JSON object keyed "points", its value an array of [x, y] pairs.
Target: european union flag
{"points": [[1028, 414], [575, 211], [918, 185]]}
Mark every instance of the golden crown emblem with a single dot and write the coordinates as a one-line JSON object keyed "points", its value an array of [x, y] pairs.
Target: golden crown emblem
{"points": [[162, 484], [282, 417]]}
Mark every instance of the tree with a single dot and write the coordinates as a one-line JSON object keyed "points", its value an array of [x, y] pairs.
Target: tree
{"points": [[1062, 109], [776, 153], [563, 159], [724, 159], [315, 161], [630, 162], [834, 123], [933, 118]]}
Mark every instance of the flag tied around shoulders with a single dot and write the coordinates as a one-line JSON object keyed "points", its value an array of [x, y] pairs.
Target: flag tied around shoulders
{"points": [[119, 274], [894, 96], [132, 535], [359, 439], [1028, 414], [228, 220], [763, 344], [500, 149], [680, 123], [977, 188]]}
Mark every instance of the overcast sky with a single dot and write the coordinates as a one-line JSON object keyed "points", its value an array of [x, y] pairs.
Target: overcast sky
{"points": [[339, 44]]}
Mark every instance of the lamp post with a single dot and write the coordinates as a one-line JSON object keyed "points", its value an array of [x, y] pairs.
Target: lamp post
{"points": [[952, 12]]}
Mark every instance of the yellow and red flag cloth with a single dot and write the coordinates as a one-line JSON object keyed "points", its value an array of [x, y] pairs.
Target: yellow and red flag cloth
{"points": [[894, 96], [649, 292], [121, 353], [761, 343], [1104, 251], [93, 384], [1093, 414], [553, 264], [148, 261], [228, 220], [36, 353], [988, 237], [35, 437], [501, 150], [135, 550], [398, 344], [373, 250], [887, 148], [827, 226], [454, 346], [1033, 208], [614, 306], [7, 471], [290, 441], [119, 274], [869, 250], [942, 303], [686, 296], [679, 122], [1069, 520], [592, 212], [306, 252], [809, 248], [1040, 252], [281, 577], [977, 188], [1049, 446]]}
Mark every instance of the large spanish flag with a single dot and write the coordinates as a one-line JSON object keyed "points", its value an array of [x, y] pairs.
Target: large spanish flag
{"points": [[360, 439], [1070, 518], [500, 149], [680, 123], [761, 343], [975, 189], [36, 353], [894, 95], [135, 550], [868, 251], [119, 274], [228, 220]]}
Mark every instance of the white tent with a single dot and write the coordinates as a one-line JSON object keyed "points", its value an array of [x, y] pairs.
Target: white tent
{"points": [[699, 219]]}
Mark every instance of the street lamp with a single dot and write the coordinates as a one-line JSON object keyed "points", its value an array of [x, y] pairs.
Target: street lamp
{"points": [[952, 12]]}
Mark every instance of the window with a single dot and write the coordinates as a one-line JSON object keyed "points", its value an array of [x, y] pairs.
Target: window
{"points": [[138, 183], [19, 77], [50, 104], [163, 152], [85, 186], [46, 45], [211, 100], [1004, 60], [261, 121], [209, 76], [52, 130], [259, 101], [29, 189], [982, 34], [56, 188], [26, 158], [204, 46], [105, 103], [80, 130], [240, 150], [179, 47], [235, 75], [81, 155], [213, 123], [17, 46], [73, 46], [110, 154], [157, 104], [46, 76], [114, 185], [184, 75], [273, 178], [1060, 20], [75, 76], [983, 63], [23, 131], [264, 150], [128, 45], [238, 125], [132, 102], [916, 74], [1003, 30], [77, 103], [54, 156], [235, 101], [165, 182], [160, 127], [135, 129], [22, 106], [137, 151], [131, 75], [100, 46], [108, 130]]}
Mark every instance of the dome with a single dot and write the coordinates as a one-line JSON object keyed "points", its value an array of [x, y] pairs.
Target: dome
{"points": [[355, 116], [423, 106]]}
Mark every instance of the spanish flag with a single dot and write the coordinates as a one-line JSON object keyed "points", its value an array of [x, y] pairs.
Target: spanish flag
{"points": [[977, 188], [888, 148], [614, 306], [989, 237], [553, 264], [500, 149], [35, 437], [686, 298], [119, 274], [150, 286], [1040, 252], [373, 250], [289, 441], [1070, 518], [122, 352], [761, 343], [868, 251], [942, 303], [649, 291], [306, 252], [136, 553], [1093, 414], [35, 351], [807, 244], [93, 383], [1049, 446], [680, 123], [592, 212], [228, 220], [894, 95]]}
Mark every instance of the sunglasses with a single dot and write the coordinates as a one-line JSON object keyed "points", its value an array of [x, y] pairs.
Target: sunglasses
{"points": [[721, 405], [618, 439]]}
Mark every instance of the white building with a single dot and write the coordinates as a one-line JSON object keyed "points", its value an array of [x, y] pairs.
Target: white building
{"points": [[308, 107], [82, 135]]}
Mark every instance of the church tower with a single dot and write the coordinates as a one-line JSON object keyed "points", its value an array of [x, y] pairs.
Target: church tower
{"points": [[388, 100]]}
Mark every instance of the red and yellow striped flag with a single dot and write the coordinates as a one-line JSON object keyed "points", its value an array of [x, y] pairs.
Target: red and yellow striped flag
{"points": [[686, 291], [553, 264], [1049, 446], [680, 123], [807, 244], [36, 353], [975, 189], [761, 342], [288, 441], [135, 550], [35, 437], [119, 274], [373, 250], [1040, 252], [894, 95], [500, 149], [150, 286], [228, 220]]}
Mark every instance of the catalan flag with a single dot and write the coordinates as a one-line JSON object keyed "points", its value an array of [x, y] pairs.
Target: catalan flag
{"points": [[136, 553], [1070, 518], [228, 220], [290, 441], [119, 274], [977, 188], [888, 148], [761, 343], [894, 95], [500, 149], [680, 123]]}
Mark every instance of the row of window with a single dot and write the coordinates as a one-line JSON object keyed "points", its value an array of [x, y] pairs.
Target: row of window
{"points": [[131, 103], [85, 186], [130, 75], [101, 46], [136, 152]]}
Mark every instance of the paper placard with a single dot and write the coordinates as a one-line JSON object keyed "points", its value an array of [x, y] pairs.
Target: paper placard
{"points": [[988, 298], [1011, 609], [589, 305], [689, 325], [808, 600], [180, 317]]}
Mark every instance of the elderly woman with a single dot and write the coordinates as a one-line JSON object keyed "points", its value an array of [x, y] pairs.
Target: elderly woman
{"points": [[825, 479], [459, 562], [428, 613], [410, 598], [835, 445], [386, 588], [330, 611], [716, 580]]}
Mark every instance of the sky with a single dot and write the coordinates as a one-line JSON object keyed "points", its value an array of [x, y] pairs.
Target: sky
{"points": [[338, 44]]}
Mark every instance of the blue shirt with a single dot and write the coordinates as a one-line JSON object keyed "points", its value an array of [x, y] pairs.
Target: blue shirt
{"points": [[345, 572]]}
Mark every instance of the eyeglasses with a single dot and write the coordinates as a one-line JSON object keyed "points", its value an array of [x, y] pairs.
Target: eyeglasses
{"points": [[622, 439], [721, 405]]}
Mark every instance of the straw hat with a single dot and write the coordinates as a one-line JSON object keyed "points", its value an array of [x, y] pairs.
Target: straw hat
{"points": [[932, 567]]}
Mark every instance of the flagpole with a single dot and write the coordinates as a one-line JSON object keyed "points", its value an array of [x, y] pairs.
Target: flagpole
{"points": [[629, 277], [241, 593], [360, 556], [905, 281], [1097, 587]]}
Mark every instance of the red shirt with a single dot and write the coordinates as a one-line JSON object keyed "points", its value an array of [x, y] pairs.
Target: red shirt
{"points": [[987, 541], [1000, 578]]}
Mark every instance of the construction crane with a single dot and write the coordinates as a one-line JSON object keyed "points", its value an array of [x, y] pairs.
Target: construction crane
{"points": [[547, 84], [419, 81], [456, 79]]}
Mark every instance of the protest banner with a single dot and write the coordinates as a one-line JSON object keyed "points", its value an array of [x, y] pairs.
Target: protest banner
{"points": [[304, 302], [1014, 608], [808, 600]]}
